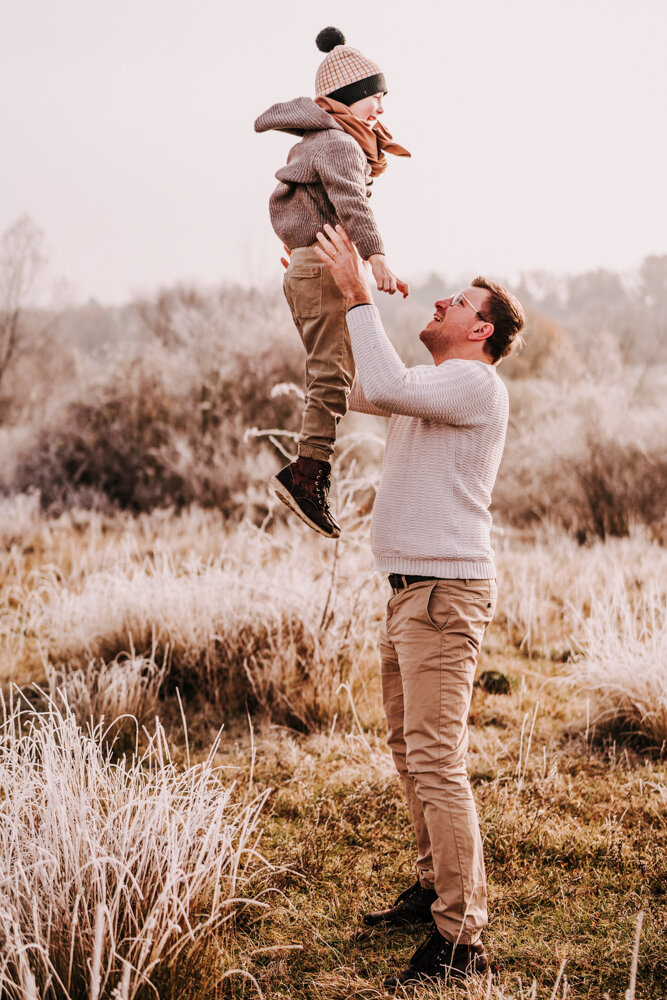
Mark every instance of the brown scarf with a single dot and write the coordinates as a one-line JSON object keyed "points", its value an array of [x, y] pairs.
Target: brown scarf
{"points": [[375, 142]]}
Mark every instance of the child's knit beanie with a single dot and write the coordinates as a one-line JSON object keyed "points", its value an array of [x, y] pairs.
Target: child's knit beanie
{"points": [[345, 74]]}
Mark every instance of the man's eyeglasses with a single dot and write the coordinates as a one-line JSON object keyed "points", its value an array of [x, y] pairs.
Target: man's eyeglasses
{"points": [[460, 297]]}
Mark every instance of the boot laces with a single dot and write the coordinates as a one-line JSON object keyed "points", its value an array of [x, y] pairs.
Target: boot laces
{"points": [[410, 893], [430, 950], [321, 486]]}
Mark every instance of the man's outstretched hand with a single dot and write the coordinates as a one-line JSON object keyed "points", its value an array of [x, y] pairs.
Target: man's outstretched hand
{"points": [[339, 253]]}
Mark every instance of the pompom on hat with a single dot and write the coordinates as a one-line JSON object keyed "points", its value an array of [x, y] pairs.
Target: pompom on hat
{"points": [[345, 74]]}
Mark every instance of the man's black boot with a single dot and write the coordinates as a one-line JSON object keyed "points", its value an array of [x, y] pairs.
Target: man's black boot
{"points": [[303, 486], [412, 907], [439, 959]]}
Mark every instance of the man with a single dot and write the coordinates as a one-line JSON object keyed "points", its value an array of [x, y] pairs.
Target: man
{"points": [[430, 532]]}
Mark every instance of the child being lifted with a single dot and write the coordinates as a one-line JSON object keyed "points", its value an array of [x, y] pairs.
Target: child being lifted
{"points": [[327, 178]]}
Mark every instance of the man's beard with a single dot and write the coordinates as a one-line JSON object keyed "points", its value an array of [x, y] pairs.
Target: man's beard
{"points": [[425, 336]]}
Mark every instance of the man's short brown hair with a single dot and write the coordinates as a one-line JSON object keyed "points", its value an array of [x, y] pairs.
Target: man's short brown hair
{"points": [[506, 313]]}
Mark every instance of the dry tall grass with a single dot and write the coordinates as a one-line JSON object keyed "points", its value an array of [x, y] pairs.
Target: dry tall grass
{"points": [[121, 695], [110, 872], [549, 584], [262, 625], [623, 663], [273, 621]]}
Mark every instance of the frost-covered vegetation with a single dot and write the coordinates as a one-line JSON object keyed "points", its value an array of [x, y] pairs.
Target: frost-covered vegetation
{"points": [[153, 591]]}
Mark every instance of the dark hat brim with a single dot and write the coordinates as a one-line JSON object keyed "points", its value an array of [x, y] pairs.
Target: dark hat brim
{"points": [[359, 89]]}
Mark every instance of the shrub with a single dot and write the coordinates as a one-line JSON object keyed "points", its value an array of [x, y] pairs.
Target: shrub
{"points": [[117, 446], [585, 455], [600, 492], [138, 442], [546, 347], [621, 484]]}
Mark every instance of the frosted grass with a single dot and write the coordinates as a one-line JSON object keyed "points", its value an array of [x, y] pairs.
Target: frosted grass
{"points": [[111, 870], [261, 623], [549, 586], [623, 665]]}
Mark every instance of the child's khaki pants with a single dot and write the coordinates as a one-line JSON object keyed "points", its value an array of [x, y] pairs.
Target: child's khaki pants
{"points": [[318, 310], [429, 644]]}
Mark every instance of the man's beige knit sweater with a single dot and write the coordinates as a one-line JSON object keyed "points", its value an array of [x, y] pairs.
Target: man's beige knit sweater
{"points": [[445, 439], [326, 179]]}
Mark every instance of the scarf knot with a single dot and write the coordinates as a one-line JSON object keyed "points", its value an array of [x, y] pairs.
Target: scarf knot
{"points": [[375, 142]]}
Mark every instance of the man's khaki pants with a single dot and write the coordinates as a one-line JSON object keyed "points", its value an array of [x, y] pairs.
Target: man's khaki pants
{"points": [[429, 644], [318, 310]]}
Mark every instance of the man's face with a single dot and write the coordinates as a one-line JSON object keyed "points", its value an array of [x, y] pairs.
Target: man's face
{"points": [[451, 324]]}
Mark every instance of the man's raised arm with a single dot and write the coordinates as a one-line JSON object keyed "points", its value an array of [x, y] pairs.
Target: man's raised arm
{"points": [[453, 393], [357, 401]]}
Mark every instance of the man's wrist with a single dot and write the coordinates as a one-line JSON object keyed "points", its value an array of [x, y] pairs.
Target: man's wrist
{"points": [[360, 299]]}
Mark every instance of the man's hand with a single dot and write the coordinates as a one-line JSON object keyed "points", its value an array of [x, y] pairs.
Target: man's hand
{"points": [[385, 279], [340, 255]]}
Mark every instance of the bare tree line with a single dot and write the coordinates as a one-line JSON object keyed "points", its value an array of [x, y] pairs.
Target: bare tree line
{"points": [[22, 257]]}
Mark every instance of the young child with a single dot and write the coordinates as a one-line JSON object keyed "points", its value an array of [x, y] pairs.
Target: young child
{"points": [[327, 178]]}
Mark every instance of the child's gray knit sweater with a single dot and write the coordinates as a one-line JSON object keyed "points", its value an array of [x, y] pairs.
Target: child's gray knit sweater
{"points": [[444, 444], [326, 179]]}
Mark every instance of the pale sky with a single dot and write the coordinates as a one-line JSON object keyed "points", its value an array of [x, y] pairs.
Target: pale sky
{"points": [[537, 132]]}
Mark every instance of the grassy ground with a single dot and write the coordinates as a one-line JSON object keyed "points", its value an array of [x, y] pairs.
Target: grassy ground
{"points": [[575, 834]]}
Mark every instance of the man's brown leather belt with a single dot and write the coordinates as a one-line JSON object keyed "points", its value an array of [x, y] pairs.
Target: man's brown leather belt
{"points": [[398, 582]]}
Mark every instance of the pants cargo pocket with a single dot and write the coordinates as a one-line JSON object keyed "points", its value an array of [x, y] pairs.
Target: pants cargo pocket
{"points": [[304, 286]]}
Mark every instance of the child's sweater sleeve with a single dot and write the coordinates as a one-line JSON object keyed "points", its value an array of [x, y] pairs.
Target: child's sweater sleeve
{"points": [[341, 168]]}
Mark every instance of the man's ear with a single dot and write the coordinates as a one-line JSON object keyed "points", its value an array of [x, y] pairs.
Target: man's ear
{"points": [[482, 332]]}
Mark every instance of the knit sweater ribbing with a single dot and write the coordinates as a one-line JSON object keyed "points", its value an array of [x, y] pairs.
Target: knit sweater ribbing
{"points": [[325, 179], [445, 439]]}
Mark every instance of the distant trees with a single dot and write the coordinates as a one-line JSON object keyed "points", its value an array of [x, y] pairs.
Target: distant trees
{"points": [[22, 257], [630, 309], [653, 274]]}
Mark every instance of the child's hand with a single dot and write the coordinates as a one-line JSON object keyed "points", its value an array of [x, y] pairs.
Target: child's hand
{"points": [[385, 279]]}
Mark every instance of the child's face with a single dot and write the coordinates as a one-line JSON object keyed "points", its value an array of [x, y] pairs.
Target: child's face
{"points": [[368, 109]]}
